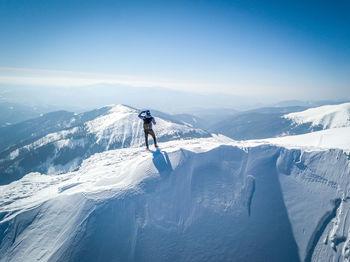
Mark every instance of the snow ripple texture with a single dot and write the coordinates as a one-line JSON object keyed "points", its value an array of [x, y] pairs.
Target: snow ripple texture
{"points": [[63, 151], [208, 199]]}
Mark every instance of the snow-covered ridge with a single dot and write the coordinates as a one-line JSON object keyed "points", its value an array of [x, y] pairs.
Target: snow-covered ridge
{"points": [[329, 116], [335, 138], [116, 127], [207, 196], [122, 124], [196, 199], [97, 168], [59, 138]]}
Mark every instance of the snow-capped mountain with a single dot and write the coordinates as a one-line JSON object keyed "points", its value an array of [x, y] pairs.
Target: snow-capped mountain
{"points": [[77, 137], [324, 117], [204, 198], [31, 130], [275, 122], [257, 123]]}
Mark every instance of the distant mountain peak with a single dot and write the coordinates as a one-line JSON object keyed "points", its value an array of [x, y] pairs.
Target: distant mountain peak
{"points": [[328, 116], [71, 138]]}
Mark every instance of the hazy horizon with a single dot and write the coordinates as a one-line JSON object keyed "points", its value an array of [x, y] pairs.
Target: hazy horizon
{"points": [[85, 98], [259, 51]]}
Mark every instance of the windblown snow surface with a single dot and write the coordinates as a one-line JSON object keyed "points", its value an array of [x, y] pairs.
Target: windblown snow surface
{"points": [[329, 116], [202, 199], [63, 151]]}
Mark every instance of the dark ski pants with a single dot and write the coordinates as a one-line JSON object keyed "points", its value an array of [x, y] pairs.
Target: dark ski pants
{"points": [[150, 132]]}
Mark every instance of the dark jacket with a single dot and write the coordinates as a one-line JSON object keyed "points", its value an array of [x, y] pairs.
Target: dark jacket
{"points": [[147, 120]]}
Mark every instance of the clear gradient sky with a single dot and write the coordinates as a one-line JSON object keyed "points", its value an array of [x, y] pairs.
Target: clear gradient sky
{"points": [[285, 49]]}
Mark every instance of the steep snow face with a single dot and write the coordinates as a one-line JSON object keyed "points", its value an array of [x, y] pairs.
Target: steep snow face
{"points": [[329, 116], [63, 151], [197, 200], [316, 193]]}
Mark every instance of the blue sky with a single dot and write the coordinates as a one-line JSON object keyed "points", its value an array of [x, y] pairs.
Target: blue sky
{"points": [[284, 49]]}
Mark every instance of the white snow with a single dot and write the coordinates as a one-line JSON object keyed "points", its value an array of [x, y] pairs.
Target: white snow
{"points": [[329, 116], [93, 172], [119, 127], [121, 121], [70, 143], [120, 124], [200, 175], [338, 138], [14, 154], [50, 138], [200, 199]]}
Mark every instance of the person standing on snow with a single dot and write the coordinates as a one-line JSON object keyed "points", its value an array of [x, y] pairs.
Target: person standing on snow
{"points": [[147, 126]]}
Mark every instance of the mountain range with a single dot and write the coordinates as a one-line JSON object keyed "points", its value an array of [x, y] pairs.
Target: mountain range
{"points": [[91, 192]]}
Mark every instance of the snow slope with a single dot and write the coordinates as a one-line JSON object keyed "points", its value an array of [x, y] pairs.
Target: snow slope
{"points": [[276, 121], [121, 125], [203, 199], [117, 126], [320, 140], [328, 116]]}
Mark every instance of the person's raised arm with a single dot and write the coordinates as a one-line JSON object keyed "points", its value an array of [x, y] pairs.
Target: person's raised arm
{"points": [[140, 115]]}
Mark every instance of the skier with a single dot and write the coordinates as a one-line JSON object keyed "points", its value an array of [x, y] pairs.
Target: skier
{"points": [[147, 126]]}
